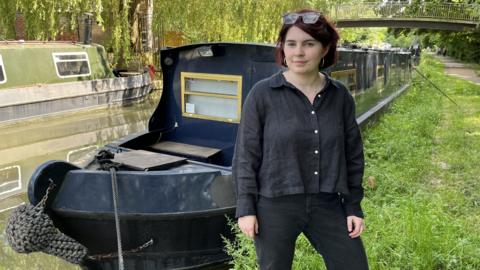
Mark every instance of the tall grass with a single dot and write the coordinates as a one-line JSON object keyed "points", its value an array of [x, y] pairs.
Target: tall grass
{"points": [[422, 182]]}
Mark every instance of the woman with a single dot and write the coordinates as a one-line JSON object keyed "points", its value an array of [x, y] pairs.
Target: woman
{"points": [[298, 162]]}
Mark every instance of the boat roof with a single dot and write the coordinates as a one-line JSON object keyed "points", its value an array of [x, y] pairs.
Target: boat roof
{"points": [[27, 63], [40, 44], [223, 43]]}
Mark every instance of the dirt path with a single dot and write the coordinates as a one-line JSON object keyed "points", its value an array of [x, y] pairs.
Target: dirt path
{"points": [[454, 68]]}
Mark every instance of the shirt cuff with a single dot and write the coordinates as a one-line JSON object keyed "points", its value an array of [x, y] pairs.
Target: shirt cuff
{"points": [[246, 206], [353, 210]]}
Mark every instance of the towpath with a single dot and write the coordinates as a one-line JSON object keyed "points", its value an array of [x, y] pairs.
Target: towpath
{"points": [[458, 69]]}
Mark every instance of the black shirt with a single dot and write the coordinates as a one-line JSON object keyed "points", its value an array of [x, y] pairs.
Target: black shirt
{"points": [[285, 145]]}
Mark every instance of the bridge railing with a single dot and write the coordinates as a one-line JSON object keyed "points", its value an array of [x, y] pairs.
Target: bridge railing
{"points": [[443, 11]]}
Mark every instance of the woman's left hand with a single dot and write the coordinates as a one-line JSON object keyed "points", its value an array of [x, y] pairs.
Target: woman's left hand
{"points": [[355, 226]]}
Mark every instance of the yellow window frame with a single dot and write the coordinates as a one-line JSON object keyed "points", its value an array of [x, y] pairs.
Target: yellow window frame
{"points": [[349, 73], [216, 77], [380, 68]]}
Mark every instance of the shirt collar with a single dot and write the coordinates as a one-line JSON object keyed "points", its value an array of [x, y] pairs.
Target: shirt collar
{"points": [[277, 81]]}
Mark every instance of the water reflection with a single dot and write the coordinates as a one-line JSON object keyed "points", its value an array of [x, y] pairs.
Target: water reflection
{"points": [[70, 136], [381, 89]]}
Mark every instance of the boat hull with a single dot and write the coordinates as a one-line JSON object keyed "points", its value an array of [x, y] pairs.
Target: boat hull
{"points": [[44, 99], [183, 241], [183, 210]]}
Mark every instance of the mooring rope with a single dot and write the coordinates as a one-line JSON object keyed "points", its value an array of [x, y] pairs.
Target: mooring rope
{"points": [[435, 86], [113, 173]]}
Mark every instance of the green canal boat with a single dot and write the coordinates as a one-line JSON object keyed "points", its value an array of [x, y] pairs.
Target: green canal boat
{"points": [[40, 78]]}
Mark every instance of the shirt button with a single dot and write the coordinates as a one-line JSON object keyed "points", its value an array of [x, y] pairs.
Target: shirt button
{"points": [[313, 112], [316, 151], [319, 95], [315, 172], [316, 131]]}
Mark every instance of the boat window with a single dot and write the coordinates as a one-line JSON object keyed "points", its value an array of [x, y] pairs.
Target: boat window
{"points": [[3, 76], [348, 77], [211, 96], [74, 64], [380, 71]]}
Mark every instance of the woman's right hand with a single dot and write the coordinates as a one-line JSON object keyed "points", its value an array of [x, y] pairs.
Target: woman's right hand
{"points": [[248, 225]]}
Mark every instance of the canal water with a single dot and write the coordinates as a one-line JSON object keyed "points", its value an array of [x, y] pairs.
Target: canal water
{"points": [[75, 137], [72, 136]]}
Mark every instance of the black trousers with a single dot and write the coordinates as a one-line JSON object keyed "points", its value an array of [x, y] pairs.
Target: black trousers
{"points": [[320, 217]]}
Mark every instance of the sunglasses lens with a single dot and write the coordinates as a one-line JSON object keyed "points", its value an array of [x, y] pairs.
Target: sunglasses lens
{"points": [[310, 18], [290, 18]]}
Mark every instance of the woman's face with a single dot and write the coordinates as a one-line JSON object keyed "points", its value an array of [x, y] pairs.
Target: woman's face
{"points": [[302, 52]]}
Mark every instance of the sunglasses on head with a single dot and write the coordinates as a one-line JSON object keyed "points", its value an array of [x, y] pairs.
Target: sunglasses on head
{"points": [[307, 18]]}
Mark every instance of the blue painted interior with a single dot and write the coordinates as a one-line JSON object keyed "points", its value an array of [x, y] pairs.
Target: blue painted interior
{"points": [[251, 61]]}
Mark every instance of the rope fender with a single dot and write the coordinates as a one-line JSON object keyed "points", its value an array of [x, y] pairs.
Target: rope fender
{"points": [[30, 229]]}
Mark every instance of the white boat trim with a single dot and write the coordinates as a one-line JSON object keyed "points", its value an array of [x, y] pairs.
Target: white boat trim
{"points": [[18, 181], [2, 69]]}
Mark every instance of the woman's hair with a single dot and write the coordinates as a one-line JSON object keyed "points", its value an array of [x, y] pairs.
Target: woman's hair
{"points": [[322, 30]]}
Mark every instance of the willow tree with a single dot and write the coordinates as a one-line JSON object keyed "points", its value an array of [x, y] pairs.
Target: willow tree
{"points": [[230, 20], [194, 20], [7, 19], [227, 20], [45, 19]]}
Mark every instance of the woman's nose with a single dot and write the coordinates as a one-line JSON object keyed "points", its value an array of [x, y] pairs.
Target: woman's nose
{"points": [[298, 50]]}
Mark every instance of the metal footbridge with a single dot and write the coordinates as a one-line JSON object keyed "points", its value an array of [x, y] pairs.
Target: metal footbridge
{"points": [[427, 15]]}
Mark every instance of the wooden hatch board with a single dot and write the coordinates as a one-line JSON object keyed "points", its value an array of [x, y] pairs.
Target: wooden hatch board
{"points": [[146, 160], [185, 149]]}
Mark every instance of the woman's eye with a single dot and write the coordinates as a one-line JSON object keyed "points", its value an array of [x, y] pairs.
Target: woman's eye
{"points": [[310, 44]]}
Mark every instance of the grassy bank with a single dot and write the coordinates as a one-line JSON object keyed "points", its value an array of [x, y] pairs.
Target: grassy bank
{"points": [[475, 67], [422, 182]]}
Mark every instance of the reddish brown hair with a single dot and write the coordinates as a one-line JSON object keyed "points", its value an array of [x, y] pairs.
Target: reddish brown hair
{"points": [[323, 30]]}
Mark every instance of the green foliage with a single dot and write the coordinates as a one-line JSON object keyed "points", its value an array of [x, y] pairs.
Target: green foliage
{"points": [[229, 20], [415, 222], [209, 20], [193, 20], [402, 41], [7, 19], [116, 21], [363, 36], [241, 250], [45, 19], [464, 46], [461, 45]]}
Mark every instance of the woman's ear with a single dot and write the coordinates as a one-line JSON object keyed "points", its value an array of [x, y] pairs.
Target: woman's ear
{"points": [[325, 51]]}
